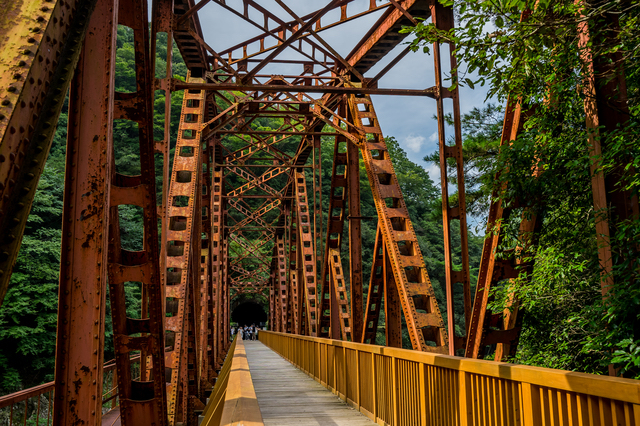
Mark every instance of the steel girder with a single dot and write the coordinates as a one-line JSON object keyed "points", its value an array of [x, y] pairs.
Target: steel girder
{"points": [[41, 44], [183, 258], [85, 242]]}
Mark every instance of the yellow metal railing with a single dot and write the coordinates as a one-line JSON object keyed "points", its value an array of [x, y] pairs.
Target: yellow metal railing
{"points": [[402, 387], [233, 400]]}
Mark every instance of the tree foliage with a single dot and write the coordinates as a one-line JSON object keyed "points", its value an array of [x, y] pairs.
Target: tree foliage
{"points": [[540, 61]]}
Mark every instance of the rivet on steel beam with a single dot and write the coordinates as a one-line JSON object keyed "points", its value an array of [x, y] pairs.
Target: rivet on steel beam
{"points": [[11, 89]]}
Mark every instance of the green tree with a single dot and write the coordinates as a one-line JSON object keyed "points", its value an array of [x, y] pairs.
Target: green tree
{"points": [[539, 62]]}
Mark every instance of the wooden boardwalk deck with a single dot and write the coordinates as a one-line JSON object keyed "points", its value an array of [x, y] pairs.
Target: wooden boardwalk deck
{"points": [[287, 396]]}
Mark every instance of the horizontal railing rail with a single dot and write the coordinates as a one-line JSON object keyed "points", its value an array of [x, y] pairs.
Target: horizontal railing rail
{"points": [[233, 400], [402, 387], [34, 405]]}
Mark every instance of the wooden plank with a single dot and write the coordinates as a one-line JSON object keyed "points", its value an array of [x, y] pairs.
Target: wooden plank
{"points": [[287, 396]]}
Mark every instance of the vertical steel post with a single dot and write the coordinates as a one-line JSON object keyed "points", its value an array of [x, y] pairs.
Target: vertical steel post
{"points": [[162, 21], [392, 307], [355, 239], [376, 291], [83, 263], [442, 17]]}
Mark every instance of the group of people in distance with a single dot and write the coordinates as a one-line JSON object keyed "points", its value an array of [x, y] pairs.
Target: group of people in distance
{"points": [[245, 333]]}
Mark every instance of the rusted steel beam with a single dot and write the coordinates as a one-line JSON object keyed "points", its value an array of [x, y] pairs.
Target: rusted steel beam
{"points": [[424, 321], [254, 181], [282, 42], [162, 21], [216, 258], [191, 11], [335, 225], [316, 176], [326, 45], [140, 398], [226, 296], [85, 242], [392, 305], [384, 34], [281, 285], [376, 291], [340, 292], [192, 52], [343, 17], [442, 18], [207, 298], [492, 269], [40, 45], [355, 239], [294, 283], [275, 88], [272, 290], [307, 253], [183, 236]]}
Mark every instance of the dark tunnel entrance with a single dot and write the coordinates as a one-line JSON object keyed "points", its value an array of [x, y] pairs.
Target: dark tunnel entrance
{"points": [[247, 313]]}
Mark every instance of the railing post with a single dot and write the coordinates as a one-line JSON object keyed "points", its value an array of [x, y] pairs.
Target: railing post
{"points": [[423, 394], [464, 402], [531, 405], [358, 378], [374, 382], [394, 378]]}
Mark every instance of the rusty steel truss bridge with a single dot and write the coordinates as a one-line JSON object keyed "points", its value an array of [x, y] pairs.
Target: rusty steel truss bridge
{"points": [[223, 206]]}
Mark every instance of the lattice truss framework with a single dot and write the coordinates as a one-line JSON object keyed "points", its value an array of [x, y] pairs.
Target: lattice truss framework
{"points": [[241, 211]]}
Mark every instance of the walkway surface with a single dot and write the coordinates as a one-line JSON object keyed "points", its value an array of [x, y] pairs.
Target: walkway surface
{"points": [[287, 396]]}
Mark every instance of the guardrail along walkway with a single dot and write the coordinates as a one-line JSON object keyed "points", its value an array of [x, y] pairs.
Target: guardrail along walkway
{"points": [[287, 396]]}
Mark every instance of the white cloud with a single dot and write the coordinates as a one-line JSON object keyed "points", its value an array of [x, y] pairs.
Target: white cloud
{"points": [[434, 173], [433, 137], [414, 143]]}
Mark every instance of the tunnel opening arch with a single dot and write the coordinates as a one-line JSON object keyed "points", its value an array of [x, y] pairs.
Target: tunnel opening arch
{"points": [[249, 309]]}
